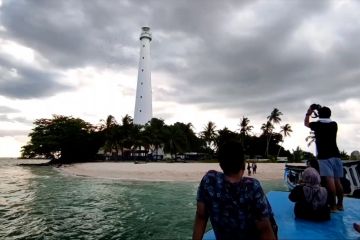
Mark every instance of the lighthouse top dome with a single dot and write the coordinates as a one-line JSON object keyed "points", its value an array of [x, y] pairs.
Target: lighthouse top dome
{"points": [[145, 33]]}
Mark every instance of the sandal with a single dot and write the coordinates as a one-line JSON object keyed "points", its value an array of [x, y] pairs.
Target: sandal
{"points": [[357, 227], [340, 207], [334, 209]]}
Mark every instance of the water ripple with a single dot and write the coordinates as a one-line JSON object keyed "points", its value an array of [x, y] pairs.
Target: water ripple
{"points": [[40, 203]]}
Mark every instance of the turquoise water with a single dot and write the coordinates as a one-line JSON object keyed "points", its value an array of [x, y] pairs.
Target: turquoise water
{"points": [[42, 203]]}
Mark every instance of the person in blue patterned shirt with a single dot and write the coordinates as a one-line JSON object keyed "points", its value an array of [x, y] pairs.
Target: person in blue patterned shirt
{"points": [[236, 205]]}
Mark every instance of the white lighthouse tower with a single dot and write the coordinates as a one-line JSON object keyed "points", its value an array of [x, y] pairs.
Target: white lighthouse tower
{"points": [[143, 102]]}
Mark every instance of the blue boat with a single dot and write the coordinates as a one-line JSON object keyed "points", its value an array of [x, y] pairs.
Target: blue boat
{"points": [[339, 227]]}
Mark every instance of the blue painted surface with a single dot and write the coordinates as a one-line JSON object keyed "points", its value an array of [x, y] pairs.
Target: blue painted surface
{"points": [[339, 227]]}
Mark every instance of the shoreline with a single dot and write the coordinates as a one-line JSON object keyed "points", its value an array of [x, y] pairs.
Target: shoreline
{"points": [[159, 171]]}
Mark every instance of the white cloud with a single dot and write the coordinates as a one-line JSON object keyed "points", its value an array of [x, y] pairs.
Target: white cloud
{"points": [[17, 51], [10, 147]]}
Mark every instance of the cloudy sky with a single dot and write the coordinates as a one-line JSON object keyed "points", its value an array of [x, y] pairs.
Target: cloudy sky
{"points": [[211, 61]]}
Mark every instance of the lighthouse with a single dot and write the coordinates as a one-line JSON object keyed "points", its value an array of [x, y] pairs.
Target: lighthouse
{"points": [[143, 101]]}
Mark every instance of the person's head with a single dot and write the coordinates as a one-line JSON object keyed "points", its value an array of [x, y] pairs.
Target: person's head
{"points": [[231, 157], [324, 112], [313, 163], [311, 177]]}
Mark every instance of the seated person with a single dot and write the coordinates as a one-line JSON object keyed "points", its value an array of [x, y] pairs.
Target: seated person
{"points": [[236, 205], [310, 198]]}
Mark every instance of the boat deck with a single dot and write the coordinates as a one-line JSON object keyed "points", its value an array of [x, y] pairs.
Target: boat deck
{"points": [[339, 227]]}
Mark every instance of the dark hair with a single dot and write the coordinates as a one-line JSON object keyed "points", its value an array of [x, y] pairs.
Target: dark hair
{"points": [[231, 157], [324, 112]]}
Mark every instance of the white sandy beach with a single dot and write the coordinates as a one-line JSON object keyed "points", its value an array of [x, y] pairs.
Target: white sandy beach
{"points": [[188, 172]]}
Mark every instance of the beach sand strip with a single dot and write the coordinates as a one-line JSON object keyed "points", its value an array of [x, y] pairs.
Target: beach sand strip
{"points": [[180, 172]]}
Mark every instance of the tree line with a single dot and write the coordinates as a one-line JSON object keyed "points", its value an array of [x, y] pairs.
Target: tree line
{"points": [[66, 139]]}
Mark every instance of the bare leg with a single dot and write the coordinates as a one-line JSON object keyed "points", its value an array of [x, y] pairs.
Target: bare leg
{"points": [[339, 194], [330, 185]]}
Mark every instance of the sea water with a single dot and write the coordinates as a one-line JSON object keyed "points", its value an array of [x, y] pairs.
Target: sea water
{"points": [[42, 203]]}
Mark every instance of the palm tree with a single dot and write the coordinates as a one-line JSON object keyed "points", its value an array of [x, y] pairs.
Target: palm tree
{"points": [[273, 118], [129, 133], [224, 135], [285, 131], [176, 139], [298, 154], [191, 139], [154, 134], [136, 139], [267, 128], [192, 142], [245, 129], [344, 155], [209, 134], [127, 120], [310, 139], [109, 128]]}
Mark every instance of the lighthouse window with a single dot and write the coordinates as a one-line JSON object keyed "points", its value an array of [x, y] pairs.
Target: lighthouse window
{"points": [[142, 70], [140, 96], [141, 83], [143, 45], [143, 57], [140, 111]]}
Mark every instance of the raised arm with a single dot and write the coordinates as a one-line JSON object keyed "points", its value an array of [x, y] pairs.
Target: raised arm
{"points": [[201, 218], [307, 117]]}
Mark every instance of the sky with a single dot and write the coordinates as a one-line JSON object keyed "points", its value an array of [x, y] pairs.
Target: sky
{"points": [[211, 61]]}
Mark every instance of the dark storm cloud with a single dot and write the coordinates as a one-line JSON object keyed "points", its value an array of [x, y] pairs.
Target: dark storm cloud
{"points": [[213, 66], [73, 33], [24, 82], [257, 73]]}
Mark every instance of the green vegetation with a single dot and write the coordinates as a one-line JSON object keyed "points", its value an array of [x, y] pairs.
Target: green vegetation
{"points": [[66, 139]]}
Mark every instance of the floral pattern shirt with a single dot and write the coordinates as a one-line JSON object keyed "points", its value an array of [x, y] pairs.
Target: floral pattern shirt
{"points": [[233, 207]]}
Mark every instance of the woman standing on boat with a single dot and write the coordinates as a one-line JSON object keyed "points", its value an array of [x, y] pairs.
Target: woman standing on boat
{"points": [[330, 164]]}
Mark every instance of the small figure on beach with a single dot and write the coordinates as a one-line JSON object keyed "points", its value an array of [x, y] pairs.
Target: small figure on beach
{"points": [[249, 169], [236, 205], [310, 197], [254, 167], [328, 154], [357, 227]]}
